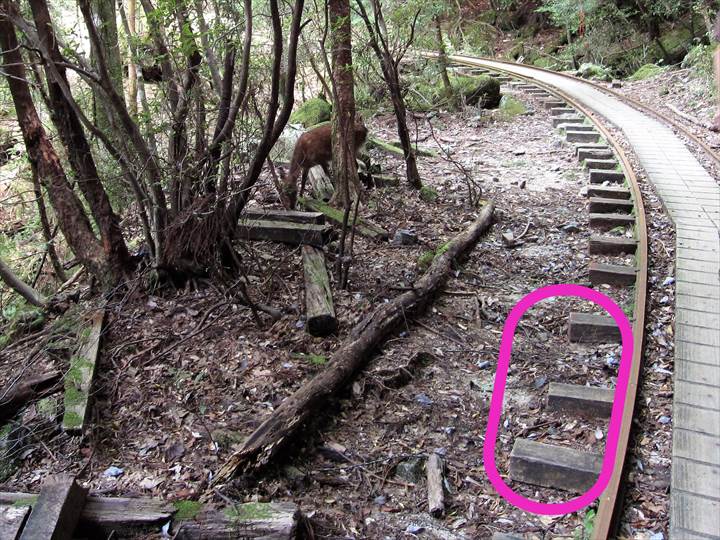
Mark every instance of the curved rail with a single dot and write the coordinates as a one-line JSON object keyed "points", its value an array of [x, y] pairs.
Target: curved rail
{"points": [[609, 501]]}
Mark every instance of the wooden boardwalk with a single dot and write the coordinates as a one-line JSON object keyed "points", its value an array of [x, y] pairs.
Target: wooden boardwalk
{"points": [[692, 199]]}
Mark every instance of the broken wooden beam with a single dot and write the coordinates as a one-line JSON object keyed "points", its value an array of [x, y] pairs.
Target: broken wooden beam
{"points": [[611, 245], [290, 216], [282, 425], [435, 480], [602, 205], [592, 328], [81, 375], [282, 231], [581, 136], [261, 520], [580, 400], [598, 176], [319, 309], [362, 227], [610, 221], [57, 511], [103, 515], [553, 466], [608, 192], [26, 391], [601, 164], [612, 274]]}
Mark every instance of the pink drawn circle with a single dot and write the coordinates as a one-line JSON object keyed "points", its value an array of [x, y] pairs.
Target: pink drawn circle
{"points": [[496, 401]]}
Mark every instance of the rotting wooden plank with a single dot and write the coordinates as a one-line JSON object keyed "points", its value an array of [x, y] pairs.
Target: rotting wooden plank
{"points": [[592, 153], [57, 511], [319, 309], [280, 231], [363, 227], [79, 378], [290, 216], [601, 164], [598, 176], [435, 491], [611, 245], [106, 514], [12, 519], [553, 466], [608, 192], [611, 274], [603, 205], [581, 136], [267, 521], [609, 221], [580, 400], [592, 328]]}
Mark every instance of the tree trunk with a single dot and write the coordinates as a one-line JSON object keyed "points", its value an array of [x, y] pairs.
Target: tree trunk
{"points": [[343, 140], [19, 286], [48, 234], [132, 67], [106, 23], [442, 59], [69, 211], [279, 429]]}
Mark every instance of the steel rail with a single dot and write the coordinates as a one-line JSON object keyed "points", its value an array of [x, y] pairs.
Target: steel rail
{"points": [[609, 506]]}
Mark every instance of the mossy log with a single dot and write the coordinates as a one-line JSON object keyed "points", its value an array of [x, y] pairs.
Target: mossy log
{"points": [[26, 391], [269, 521], [284, 423], [362, 227], [319, 309], [395, 148]]}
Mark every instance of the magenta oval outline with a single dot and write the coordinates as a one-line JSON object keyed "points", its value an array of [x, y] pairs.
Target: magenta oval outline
{"points": [[496, 401]]}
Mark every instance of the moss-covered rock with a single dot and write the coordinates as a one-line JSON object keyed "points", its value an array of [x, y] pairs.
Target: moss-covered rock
{"points": [[481, 91], [510, 106], [312, 112], [647, 71], [593, 71]]}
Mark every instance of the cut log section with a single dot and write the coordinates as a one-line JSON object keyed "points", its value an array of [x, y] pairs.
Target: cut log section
{"points": [[598, 176], [26, 391], [290, 216], [610, 245], [363, 227], [319, 309], [79, 378], [612, 274], [566, 119], [559, 111], [592, 328], [57, 511], [436, 494], [602, 205], [608, 192], [591, 153], [553, 466], [582, 136], [601, 164], [610, 221], [281, 231], [281, 427], [580, 400]]}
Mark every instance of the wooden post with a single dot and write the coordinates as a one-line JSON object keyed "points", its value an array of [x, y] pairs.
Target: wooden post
{"points": [[319, 309], [436, 495]]}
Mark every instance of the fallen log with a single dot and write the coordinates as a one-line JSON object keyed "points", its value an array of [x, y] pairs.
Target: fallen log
{"points": [[26, 391], [394, 148], [319, 309], [362, 227], [436, 495], [282, 425]]}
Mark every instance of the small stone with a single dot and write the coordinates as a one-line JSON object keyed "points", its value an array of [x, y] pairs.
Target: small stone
{"points": [[484, 364], [508, 239], [664, 419], [583, 191], [113, 472], [599, 434], [522, 184], [404, 237], [422, 399], [519, 152], [657, 536], [540, 382], [571, 227], [414, 529], [410, 470], [380, 500], [668, 281]]}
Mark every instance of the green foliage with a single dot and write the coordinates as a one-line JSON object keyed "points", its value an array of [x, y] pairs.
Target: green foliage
{"points": [[312, 112], [585, 531], [428, 194], [647, 71], [187, 510], [566, 13], [482, 91], [594, 71], [700, 60]]}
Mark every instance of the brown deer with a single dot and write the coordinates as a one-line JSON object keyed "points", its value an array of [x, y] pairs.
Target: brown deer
{"points": [[314, 147]]}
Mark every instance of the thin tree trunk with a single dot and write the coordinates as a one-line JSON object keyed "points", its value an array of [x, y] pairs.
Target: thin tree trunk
{"points": [[19, 286], [104, 13], [442, 59], [132, 66], [48, 235]]}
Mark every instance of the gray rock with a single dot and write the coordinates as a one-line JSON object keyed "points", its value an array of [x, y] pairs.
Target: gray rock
{"points": [[404, 237], [571, 227], [411, 470]]}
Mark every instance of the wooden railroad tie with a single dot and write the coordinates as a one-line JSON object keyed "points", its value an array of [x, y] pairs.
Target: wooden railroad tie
{"points": [[601, 164], [580, 400], [602, 205], [610, 221], [592, 328], [590, 153], [582, 136], [577, 127], [610, 245], [566, 119], [553, 466], [552, 103], [598, 176], [591, 146], [612, 274], [291, 216], [57, 511], [319, 309], [283, 231], [560, 111], [608, 192]]}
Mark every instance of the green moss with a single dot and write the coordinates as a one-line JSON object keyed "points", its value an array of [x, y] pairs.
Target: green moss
{"points": [[647, 71], [511, 107], [428, 194], [677, 42], [5, 431], [425, 260], [25, 501], [593, 71], [187, 510], [442, 249], [545, 62], [312, 112], [71, 420], [249, 511]]}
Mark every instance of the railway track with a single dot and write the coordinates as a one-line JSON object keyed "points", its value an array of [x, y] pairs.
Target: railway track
{"points": [[609, 205]]}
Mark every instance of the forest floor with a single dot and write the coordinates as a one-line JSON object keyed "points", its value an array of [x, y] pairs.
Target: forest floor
{"points": [[186, 375]]}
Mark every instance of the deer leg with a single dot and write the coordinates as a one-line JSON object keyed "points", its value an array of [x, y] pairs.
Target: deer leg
{"points": [[302, 182], [326, 170]]}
